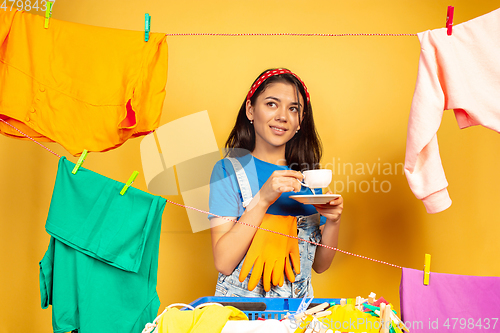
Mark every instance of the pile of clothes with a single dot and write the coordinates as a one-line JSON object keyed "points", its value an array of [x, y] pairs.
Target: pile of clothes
{"points": [[355, 315]]}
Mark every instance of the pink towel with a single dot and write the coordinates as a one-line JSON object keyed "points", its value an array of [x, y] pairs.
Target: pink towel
{"points": [[460, 72], [450, 303]]}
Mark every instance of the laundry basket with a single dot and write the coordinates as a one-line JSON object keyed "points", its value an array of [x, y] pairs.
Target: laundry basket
{"points": [[263, 307]]}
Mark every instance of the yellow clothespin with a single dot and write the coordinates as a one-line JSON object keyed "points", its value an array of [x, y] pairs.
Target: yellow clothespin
{"points": [[129, 182], [80, 161], [48, 13], [427, 269]]}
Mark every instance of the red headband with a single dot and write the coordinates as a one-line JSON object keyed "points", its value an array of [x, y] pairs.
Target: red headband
{"points": [[270, 73]]}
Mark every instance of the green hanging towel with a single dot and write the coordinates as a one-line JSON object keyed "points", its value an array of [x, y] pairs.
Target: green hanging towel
{"points": [[99, 272]]}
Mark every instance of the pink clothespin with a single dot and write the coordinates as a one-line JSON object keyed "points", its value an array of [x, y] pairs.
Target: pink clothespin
{"points": [[449, 20]]}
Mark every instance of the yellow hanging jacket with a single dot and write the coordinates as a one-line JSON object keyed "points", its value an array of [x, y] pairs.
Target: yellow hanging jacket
{"points": [[82, 86]]}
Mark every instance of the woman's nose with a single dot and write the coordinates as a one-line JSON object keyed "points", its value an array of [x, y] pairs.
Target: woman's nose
{"points": [[281, 114]]}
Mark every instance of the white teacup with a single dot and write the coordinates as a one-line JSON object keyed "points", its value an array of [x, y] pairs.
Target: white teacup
{"points": [[318, 178]]}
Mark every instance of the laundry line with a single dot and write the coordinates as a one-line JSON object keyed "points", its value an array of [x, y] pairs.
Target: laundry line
{"points": [[29, 137], [291, 34], [289, 236], [243, 223]]}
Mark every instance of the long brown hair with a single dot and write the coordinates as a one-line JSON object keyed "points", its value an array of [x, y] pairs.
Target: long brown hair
{"points": [[302, 152]]}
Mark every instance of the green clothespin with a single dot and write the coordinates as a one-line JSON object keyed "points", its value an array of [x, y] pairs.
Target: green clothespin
{"points": [[48, 13], [80, 161], [129, 182], [371, 307], [147, 27], [375, 308]]}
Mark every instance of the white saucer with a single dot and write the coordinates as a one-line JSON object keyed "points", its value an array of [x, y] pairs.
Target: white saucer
{"points": [[317, 199]]}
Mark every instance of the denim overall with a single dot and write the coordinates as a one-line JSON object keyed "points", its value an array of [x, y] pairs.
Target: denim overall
{"points": [[307, 228]]}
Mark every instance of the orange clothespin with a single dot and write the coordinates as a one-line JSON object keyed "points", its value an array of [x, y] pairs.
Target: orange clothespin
{"points": [[449, 20], [427, 269]]}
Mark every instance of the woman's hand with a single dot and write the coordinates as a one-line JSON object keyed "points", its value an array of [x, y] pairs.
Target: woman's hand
{"points": [[279, 182], [329, 233], [331, 210], [231, 241]]}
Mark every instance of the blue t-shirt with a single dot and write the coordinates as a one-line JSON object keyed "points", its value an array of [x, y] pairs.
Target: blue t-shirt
{"points": [[225, 194]]}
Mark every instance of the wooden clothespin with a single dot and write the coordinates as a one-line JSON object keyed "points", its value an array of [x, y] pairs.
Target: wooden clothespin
{"points": [[304, 324], [322, 314], [80, 161], [317, 308], [372, 298], [147, 27], [397, 323], [359, 302], [129, 182], [427, 269], [385, 318], [449, 20], [48, 13]]}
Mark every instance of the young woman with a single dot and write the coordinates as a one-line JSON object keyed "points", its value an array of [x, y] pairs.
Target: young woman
{"points": [[274, 138]]}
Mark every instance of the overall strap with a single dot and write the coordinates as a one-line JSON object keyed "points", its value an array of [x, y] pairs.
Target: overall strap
{"points": [[241, 176]]}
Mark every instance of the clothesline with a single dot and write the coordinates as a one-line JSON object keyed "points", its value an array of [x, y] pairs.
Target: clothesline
{"points": [[243, 223], [290, 34], [26, 135], [289, 236]]}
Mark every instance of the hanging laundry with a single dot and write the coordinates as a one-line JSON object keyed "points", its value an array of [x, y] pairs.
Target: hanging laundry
{"points": [[459, 72], [100, 270], [450, 303], [84, 87]]}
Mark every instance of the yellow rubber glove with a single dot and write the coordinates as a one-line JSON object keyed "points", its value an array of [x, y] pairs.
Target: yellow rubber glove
{"points": [[269, 253], [291, 259], [292, 262]]}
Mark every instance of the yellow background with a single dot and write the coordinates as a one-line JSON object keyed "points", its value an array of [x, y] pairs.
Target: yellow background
{"points": [[361, 90]]}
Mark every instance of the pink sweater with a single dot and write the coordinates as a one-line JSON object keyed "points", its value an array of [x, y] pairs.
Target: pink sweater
{"points": [[459, 72]]}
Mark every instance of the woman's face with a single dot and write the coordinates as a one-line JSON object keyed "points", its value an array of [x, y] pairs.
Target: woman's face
{"points": [[275, 115]]}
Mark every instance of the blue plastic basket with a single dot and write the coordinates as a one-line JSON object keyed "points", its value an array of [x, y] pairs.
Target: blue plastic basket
{"points": [[267, 308]]}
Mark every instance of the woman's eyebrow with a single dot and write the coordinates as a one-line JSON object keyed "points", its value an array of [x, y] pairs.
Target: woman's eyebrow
{"points": [[278, 100], [273, 98]]}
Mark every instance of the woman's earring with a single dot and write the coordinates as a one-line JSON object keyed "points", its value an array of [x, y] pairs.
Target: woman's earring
{"points": [[251, 121]]}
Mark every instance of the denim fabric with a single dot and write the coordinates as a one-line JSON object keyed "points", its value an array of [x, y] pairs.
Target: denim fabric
{"points": [[308, 229]]}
